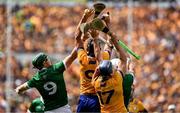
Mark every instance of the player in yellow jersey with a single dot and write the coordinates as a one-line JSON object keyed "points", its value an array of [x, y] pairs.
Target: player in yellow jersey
{"points": [[108, 85], [128, 78], [135, 105], [88, 101], [89, 57]]}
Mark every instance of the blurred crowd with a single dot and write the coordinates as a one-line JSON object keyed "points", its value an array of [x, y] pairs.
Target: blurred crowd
{"points": [[155, 36]]}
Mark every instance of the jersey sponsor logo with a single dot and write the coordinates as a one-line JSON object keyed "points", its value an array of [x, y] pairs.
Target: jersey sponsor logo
{"points": [[50, 87]]}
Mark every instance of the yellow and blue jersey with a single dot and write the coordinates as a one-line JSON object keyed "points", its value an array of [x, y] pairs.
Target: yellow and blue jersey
{"points": [[87, 67], [110, 93]]}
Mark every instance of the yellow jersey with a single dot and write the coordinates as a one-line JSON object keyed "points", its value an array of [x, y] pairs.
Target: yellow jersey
{"points": [[87, 67], [136, 106], [105, 55], [110, 93]]}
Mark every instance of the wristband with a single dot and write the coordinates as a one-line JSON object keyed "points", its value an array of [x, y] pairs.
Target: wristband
{"points": [[105, 30]]}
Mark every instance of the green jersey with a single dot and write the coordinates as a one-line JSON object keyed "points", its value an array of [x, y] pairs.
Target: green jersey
{"points": [[50, 84], [37, 106]]}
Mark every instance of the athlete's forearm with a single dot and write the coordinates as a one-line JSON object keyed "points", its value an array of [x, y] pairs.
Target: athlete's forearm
{"points": [[83, 19], [95, 75], [97, 50], [121, 52], [69, 59], [108, 46], [78, 34], [119, 49], [22, 88]]}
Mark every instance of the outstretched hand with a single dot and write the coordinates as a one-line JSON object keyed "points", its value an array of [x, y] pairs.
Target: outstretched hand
{"points": [[106, 18], [88, 13], [94, 33], [19, 90]]}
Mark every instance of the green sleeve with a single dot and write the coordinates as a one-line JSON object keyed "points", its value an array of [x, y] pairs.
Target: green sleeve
{"points": [[59, 66], [39, 109], [36, 106], [127, 83], [128, 79], [33, 81]]}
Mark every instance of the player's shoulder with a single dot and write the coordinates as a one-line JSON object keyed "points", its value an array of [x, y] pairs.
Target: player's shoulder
{"points": [[136, 101], [80, 50], [57, 64], [118, 74], [105, 55], [42, 72]]}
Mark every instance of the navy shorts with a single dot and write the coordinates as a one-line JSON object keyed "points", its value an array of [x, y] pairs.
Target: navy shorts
{"points": [[88, 103]]}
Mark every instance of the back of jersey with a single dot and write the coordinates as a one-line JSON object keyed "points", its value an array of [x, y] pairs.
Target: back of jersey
{"points": [[86, 73], [110, 93], [87, 68], [50, 84]]}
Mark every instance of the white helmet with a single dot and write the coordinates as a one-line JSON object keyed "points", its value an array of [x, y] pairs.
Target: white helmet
{"points": [[115, 62]]}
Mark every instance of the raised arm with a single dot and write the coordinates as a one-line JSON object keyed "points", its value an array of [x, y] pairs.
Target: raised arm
{"points": [[122, 54], [69, 59], [130, 66], [108, 45], [87, 13], [113, 39], [106, 18], [95, 75], [95, 35]]}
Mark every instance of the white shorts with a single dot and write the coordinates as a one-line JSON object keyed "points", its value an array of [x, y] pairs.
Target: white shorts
{"points": [[63, 109]]}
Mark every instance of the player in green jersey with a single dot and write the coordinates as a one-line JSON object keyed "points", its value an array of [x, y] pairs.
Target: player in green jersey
{"points": [[49, 80]]}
